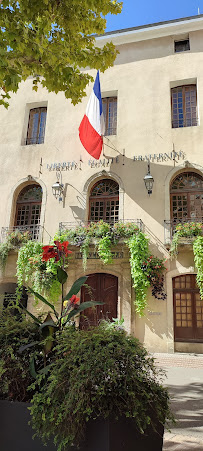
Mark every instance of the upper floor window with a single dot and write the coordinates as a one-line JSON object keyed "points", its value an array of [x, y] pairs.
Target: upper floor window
{"points": [[184, 106], [28, 209], [36, 125], [186, 194], [182, 45], [104, 201], [110, 115]]}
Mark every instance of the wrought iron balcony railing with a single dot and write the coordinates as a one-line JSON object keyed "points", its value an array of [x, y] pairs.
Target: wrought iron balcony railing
{"points": [[170, 226], [35, 231], [73, 225]]}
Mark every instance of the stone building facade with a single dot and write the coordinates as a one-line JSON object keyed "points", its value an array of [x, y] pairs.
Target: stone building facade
{"points": [[153, 103]]}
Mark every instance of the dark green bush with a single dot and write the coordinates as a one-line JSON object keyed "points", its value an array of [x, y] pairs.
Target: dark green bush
{"points": [[97, 373], [15, 377]]}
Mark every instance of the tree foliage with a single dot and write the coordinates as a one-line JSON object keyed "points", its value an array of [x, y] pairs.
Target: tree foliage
{"points": [[52, 40]]}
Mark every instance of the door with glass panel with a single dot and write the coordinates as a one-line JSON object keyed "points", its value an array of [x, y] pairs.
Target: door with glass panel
{"points": [[188, 309]]}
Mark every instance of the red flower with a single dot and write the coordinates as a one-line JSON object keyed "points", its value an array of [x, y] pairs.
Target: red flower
{"points": [[49, 252], [56, 251], [74, 299], [65, 248]]}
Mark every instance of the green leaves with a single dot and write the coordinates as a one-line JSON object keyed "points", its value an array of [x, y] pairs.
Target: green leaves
{"points": [[62, 275], [31, 44], [37, 295], [76, 287], [81, 308], [139, 251], [198, 258]]}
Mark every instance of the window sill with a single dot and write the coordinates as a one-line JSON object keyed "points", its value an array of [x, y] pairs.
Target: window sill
{"points": [[185, 126]]}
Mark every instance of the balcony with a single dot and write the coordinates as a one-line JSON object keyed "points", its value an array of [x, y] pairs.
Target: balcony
{"points": [[189, 229], [77, 224], [35, 231]]}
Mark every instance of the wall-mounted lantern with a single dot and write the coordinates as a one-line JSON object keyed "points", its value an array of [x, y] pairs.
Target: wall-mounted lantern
{"points": [[149, 181], [57, 188]]}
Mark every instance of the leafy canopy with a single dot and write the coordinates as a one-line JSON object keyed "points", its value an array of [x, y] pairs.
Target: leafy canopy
{"points": [[52, 40]]}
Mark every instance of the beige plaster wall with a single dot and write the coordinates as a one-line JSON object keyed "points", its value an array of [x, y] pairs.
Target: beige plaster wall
{"points": [[142, 77]]}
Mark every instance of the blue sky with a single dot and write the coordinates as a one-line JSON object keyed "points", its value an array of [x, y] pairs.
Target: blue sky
{"points": [[148, 11]]}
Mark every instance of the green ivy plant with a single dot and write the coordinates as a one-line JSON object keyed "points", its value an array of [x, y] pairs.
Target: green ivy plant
{"points": [[146, 270], [198, 258], [188, 230], [31, 270], [13, 241], [103, 234], [139, 251]]}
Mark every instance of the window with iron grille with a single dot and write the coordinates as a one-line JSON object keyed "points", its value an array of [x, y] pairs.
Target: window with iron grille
{"points": [[104, 201], [36, 126], [184, 106], [28, 210], [182, 45], [186, 194], [109, 105]]}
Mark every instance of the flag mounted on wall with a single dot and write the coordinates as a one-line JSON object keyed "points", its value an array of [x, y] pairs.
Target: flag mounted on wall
{"points": [[92, 127]]}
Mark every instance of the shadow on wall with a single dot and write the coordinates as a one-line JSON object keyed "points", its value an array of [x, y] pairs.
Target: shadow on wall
{"points": [[132, 174]]}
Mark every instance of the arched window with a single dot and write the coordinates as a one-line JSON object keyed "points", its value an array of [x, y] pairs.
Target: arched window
{"points": [[186, 194], [28, 209], [104, 201]]}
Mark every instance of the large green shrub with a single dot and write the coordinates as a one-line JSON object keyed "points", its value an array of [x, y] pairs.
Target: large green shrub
{"points": [[15, 377], [97, 373]]}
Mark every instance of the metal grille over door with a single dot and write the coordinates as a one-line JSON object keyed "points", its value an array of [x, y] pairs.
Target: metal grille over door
{"points": [[188, 309], [187, 198], [104, 201], [28, 209]]}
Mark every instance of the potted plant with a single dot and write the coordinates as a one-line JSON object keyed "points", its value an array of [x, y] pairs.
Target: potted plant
{"points": [[185, 233], [101, 391]]}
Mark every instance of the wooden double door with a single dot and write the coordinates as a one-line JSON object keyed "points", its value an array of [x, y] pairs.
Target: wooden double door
{"points": [[188, 309], [103, 288]]}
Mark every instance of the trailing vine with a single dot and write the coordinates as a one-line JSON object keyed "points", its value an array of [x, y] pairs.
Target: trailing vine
{"points": [[13, 241], [198, 258], [187, 230], [41, 275], [138, 246], [146, 270]]}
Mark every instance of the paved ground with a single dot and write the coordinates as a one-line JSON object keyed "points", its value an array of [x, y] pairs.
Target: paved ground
{"points": [[184, 378]]}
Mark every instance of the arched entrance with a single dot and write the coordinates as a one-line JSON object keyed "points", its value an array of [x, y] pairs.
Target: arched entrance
{"points": [[188, 309], [103, 288], [104, 201], [186, 194], [28, 209]]}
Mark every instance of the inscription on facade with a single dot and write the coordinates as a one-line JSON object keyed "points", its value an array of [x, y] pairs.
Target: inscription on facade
{"points": [[160, 157], [95, 255], [105, 163]]}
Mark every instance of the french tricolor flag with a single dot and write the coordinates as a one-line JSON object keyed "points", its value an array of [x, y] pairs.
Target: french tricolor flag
{"points": [[92, 127]]}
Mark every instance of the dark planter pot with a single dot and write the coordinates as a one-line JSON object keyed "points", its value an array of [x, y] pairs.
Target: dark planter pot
{"points": [[102, 435]]}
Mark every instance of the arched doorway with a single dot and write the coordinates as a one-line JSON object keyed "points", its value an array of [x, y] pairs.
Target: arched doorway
{"points": [[103, 288], [186, 195], [28, 209], [188, 309], [104, 201]]}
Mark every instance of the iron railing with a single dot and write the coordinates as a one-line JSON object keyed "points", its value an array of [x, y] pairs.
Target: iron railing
{"points": [[73, 225], [170, 226], [36, 231]]}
